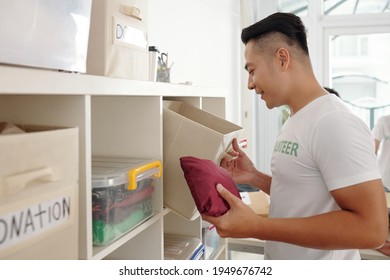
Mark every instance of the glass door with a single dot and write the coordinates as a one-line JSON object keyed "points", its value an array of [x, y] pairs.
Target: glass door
{"points": [[357, 69]]}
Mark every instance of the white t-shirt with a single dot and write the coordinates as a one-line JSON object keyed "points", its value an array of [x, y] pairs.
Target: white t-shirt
{"points": [[321, 148], [381, 132]]}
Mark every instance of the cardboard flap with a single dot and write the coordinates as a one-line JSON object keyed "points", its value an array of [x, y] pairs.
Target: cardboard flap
{"points": [[201, 117], [190, 131]]}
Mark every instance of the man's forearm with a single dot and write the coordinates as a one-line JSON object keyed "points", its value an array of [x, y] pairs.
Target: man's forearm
{"points": [[262, 181]]}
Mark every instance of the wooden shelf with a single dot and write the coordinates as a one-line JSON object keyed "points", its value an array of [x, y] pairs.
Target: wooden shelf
{"points": [[115, 117], [20, 80]]}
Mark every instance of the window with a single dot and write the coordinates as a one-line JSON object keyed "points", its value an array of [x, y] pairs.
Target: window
{"points": [[351, 46], [298, 7], [336, 7], [358, 73], [348, 7], [339, 31]]}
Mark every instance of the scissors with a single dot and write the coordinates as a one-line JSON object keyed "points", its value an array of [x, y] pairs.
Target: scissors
{"points": [[163, 59]]}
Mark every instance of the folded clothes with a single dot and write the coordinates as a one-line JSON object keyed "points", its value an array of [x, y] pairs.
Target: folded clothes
{"points": [[116, 210], [108, 202], [104, 233], [202, 176]]}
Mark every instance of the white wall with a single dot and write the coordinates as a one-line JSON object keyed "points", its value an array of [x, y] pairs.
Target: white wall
{"points": [[202, 39]]}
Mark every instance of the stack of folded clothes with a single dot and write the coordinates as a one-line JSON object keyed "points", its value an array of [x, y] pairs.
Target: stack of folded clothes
{"points": [[117, 210], [122, 190]]}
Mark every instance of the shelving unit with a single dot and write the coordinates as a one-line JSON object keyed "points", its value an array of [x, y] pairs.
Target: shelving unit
{"points": [[115, 117]]}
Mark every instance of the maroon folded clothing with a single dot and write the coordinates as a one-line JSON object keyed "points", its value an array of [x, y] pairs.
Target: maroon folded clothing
{"points": [[202, 177]]}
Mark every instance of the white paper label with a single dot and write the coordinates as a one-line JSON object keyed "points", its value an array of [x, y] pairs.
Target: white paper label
{"points": [[26, 223], [128, 35], [245, 198]]}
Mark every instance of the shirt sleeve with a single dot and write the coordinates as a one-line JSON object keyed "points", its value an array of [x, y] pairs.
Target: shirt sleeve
{"points": [[378, 130], [344, 150]]}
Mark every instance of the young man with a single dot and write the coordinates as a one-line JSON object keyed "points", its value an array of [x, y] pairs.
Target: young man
{"points": [[381, 133], [326, 195]]}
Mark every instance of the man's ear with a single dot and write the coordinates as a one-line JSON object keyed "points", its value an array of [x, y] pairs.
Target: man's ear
{"points": [[283, 56]]}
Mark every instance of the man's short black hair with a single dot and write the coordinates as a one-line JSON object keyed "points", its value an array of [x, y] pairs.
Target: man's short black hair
{"points": [[290, 25], [332, 91]]}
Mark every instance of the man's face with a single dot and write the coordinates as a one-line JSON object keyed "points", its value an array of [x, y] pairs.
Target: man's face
{"points": [[262, 73]]}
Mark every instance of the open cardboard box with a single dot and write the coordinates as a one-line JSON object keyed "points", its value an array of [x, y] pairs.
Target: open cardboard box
{"points": [[258, 201], [189, 131]]}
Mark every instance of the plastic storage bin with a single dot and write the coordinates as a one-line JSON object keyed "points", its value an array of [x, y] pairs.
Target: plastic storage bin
{"points": [[212, 242], [178, 247], [121, 195]]}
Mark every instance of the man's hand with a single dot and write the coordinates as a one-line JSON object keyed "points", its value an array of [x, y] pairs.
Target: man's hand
{"points": [[234, 223], [238, 164]]}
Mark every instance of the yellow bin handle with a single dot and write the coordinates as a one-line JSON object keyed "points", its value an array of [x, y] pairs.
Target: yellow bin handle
{"points": [[134, 173]]}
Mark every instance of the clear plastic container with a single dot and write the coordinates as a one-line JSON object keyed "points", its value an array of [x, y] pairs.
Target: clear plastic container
{"points": [[178, 247], [211, 240], [122, 191]]}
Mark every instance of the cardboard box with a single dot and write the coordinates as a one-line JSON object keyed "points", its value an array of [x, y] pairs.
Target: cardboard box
{"points": [[189, 131], [258, 201], [46, 34], [118, 45], [39, 194]]}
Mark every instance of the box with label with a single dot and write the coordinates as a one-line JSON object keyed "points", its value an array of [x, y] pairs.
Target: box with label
{"points": [[39, 193], [118, 45], [45, 33], [258, 201], [189, 131], [122, 191]]}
